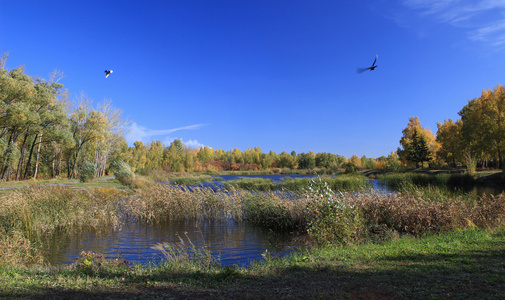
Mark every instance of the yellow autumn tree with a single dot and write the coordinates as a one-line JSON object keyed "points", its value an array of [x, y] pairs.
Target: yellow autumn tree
{"points": [[483, 130], [449, 138], [419, 144]]}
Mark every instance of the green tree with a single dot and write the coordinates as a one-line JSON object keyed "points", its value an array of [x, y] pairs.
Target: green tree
{"points": [[306, 161], [286, 160]]}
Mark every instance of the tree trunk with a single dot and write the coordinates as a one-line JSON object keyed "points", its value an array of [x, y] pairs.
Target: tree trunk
{"points": [[37, 160], [29, 163]]}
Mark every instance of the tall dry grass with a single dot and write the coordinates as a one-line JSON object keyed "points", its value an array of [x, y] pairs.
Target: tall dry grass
{"points": [[26, 215], [161, 203], [413, 215]]}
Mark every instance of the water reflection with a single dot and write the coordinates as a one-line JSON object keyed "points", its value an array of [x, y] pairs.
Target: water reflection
{"points": [[230, 242]]}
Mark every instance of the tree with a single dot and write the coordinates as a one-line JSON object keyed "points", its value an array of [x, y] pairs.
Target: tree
{"points": [[306, 161], [449, 138], [175, 156], [286, 160], [87, 126], [115, 128], [418, 144], [325, 160], [483, 129]]}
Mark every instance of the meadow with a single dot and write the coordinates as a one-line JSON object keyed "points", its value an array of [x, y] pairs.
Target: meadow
{"points": [[407, 243]]}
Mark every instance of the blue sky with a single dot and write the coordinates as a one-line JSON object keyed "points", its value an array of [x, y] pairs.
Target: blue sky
{"points": [[279, 75]]}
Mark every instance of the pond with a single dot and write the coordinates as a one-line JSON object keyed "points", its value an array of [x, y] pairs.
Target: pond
{"points": [[230, 242]]}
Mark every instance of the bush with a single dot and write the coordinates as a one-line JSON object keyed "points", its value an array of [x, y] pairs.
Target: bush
{"points": [[349, 167], [123, 172], [330, 218], [274, 211], [87, 171]]}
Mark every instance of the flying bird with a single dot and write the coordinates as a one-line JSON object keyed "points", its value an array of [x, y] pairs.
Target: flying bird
{"points": [[107, 73], [361, 70]]}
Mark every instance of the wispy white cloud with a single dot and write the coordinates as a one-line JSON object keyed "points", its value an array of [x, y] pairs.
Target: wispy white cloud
{"points": [[484, 21], [188, 143], [143, 134]]}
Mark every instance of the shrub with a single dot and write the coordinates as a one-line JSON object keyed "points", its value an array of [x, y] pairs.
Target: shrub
{"points": [[123, 172], [87, 171], [349, 167], [274, 211], [330, 218]]}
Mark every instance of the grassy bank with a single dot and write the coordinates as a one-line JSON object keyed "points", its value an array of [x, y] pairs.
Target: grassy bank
{"points": [[461, 265]]}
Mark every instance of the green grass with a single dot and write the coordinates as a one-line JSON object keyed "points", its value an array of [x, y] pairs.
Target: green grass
{"points": [[192, 180], [465, 264], [343, 182]]}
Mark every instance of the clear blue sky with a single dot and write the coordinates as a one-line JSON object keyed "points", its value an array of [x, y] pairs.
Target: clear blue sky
{"points": [[279, 75]]}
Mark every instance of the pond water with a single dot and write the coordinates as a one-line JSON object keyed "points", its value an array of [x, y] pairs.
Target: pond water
{"points": [[229, 242]]}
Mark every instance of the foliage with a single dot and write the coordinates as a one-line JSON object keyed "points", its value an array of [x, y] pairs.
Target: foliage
{"points": [[123, 172], [330, 217], [418, 144], [349, 167], [95, 264], [275, 211], [449, 137], [306, 161], [87, 171]]}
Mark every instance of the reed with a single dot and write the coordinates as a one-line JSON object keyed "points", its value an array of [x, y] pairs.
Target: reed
{"points": [[39, 211], [413, 215], [401, 181], [191, 180], [184, 253], [277, 211], [27, 215], [344, 182], [162, 203]]}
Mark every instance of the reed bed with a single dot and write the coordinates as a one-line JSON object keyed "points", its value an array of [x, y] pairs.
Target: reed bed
{"points": [[46, 210], [401, 181], [27, 215], [413, 215], [162, 203], [276, 211]]}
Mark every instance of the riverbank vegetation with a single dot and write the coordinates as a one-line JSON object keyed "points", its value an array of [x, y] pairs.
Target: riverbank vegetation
{"points": [[411, 247]]}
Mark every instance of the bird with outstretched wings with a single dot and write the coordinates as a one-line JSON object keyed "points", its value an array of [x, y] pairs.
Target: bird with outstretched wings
{"points": [[361, 70], [107, 73]]}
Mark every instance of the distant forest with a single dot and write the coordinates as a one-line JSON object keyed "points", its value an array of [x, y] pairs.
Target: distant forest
{"points": [[44, 134]]}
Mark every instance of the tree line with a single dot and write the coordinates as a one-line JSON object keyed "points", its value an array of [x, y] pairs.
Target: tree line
{"points": [[43, 133]]}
